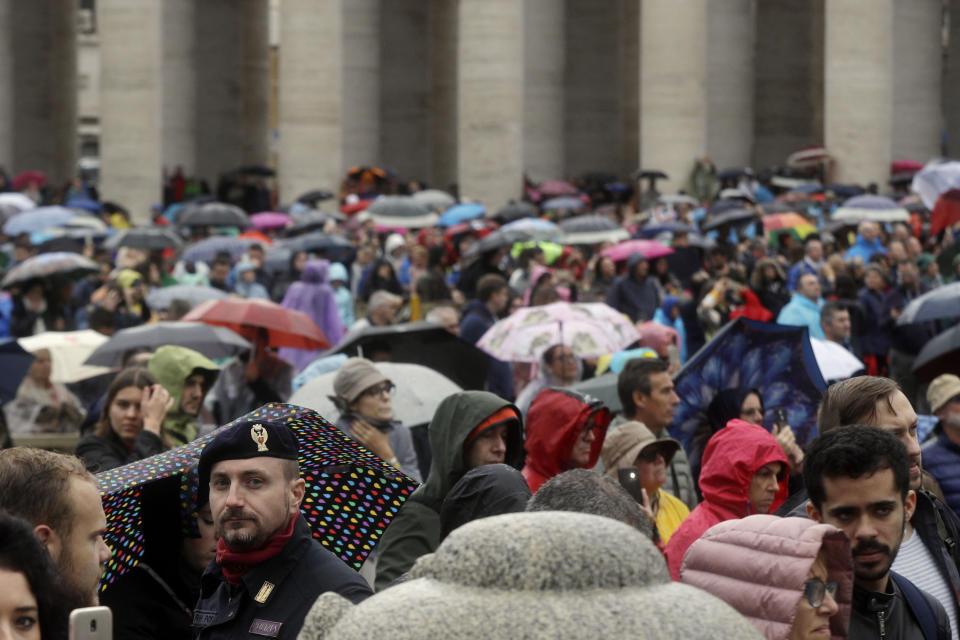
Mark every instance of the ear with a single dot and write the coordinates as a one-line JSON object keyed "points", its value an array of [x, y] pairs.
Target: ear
{"points": [[909, 505], [298, 489], [639, 399], [812, 512], [50, 540]]}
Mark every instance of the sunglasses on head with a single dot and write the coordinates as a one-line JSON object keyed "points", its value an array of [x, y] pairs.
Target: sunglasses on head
{"points": [[816, 590]]}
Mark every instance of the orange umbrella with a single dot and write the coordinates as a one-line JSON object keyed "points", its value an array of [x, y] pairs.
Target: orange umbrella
{"points": [[284, 327], [256, 235]]}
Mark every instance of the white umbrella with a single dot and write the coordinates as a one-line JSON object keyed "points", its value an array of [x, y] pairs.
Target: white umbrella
{"points": [[934, 179], [68, 350], [419, 391], [835, 362]]}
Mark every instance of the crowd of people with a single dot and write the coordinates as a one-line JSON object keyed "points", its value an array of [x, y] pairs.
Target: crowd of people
{"points": [[852, 534]]}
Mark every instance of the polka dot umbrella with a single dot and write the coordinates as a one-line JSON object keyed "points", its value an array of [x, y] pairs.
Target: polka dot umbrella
{"points": [[351, 494]]}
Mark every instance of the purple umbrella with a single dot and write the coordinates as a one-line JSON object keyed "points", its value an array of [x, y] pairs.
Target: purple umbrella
{"points": [[270, 220]]}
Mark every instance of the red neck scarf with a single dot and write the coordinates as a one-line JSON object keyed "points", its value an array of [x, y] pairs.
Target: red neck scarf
{"points": [[235, 564]]}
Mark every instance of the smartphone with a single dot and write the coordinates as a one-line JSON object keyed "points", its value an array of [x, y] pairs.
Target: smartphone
{"points": [[91, 623], [630, 480], [780, 418]]}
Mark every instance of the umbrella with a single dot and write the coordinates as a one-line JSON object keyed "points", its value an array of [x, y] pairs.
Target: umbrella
{"points": [[270, 220], [68, 352], [25, 178], [934, 180], [419, 392], [730, 216], [434, 199], [311, 221], [591, 229], [37, 220], [15, 361], [497, 240], [214, 214], [556, 188], [375, 174], [775, 359], [870, 207], [946, 212], [401, 211], [315, 195], [285, 327], [678, 198], [807, 157], [12, 203], [86, 204], [796, 224], [650, 174], [207, 249], [939, 355], [651, 250], [256, 237], [835, 362], [213, 342], [515, 211], [461, 213], [332, 247], [423, 343], [777, 206], [603, 388], [737, 194], [536, 227], [938, 304], [161, 298], [145, 238], [653, 229], [590, 329], [59, 264], [254, 170], [563, 203], [351, 495]]}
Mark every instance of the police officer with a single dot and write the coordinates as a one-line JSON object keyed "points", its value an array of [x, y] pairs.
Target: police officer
{"points": [[269, 569]]}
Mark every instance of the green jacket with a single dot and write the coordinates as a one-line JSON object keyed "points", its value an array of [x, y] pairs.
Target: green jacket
{"points": [[171, 366], [416, 529]]}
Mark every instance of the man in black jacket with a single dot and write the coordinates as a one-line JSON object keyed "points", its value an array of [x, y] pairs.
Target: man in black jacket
{"points": [[268, 570]]}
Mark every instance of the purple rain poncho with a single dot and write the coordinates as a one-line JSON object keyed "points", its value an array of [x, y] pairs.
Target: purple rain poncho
{"points": [[314, 296]]}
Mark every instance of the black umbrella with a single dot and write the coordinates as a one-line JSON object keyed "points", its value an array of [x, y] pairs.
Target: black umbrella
{"points": [[217, 214], [213, 342], [315, 195], [332, 247], [145, 238], [939, 355], [731, 216], [733, 173], [60, 264], [161, 298], [304, 222], [938, 304], [650, 174], [591, 229], [515, 211], [497, 240], [423, 343]]}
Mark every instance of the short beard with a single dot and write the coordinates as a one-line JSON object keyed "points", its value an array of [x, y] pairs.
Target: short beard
{"points": [[240, 540], [76, 595]]}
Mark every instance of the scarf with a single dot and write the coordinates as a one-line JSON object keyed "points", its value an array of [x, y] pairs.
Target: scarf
{"points": [[235, 564]]}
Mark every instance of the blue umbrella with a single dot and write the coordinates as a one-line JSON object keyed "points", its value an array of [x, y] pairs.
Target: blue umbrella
{"points": [[14, 361], [38, 219], [84, 203], [650, 230], [775, 359], [206, 250], [568, 203], [537, 227], [461, 213]]}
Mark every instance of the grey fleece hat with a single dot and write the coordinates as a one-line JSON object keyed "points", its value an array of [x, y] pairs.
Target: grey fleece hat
{"points": [[355, 376]]}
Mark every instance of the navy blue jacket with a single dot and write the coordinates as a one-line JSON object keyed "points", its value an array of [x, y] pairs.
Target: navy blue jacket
{"points": [[477, 318], [874, 340], [941, 458], [639, 299]]}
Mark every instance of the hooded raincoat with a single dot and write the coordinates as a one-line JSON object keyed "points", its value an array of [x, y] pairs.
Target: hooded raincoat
{"points": [[556, 419], [416, 529], [732, 457], [638, 299], [171, 365], [314, 296]]}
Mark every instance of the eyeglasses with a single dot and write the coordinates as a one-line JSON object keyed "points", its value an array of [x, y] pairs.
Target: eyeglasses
{"points": [[386, 387], [816, 590], [651, 455]]}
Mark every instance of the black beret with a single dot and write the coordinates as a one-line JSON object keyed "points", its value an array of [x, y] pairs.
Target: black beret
{"points": [[244, 440]]}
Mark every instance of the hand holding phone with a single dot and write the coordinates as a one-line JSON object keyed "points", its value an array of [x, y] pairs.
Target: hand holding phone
{"points": [[91, 623]]}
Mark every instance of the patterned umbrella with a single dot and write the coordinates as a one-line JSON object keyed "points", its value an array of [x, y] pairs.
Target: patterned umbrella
{"points": [[60, 264], [351, 494], [589, 329]]}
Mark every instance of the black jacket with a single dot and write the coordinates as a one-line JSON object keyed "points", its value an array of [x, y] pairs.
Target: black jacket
{"points": [[147, 607], [287, 584], [889, 615], [100, 454]]}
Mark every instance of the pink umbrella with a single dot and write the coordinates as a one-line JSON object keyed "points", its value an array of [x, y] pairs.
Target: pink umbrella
{"points": [[552, 188], [270, 220], [651, 250]]}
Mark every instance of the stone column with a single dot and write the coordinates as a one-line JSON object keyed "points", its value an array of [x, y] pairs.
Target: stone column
{"points": [[490, 100], [543, 108], [45, 90], [788, 98], [951, 83], [361, 82], [730, 40], [629, 48], [917, 77], [858, 89], [442, 35], [179, 95], [405, 88], [6, 86], [310, 104], [130, 84], [673, 87]]}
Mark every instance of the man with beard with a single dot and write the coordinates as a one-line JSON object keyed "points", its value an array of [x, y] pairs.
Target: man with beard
{"points": [[60, 500], [268, 570], [858, 479]]}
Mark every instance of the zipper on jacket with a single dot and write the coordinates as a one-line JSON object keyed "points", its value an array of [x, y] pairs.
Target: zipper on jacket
{"points": [[883, 626]]}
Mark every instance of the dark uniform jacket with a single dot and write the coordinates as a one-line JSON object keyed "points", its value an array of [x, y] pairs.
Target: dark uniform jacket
{"points": [[275, 596], [890, 616]]}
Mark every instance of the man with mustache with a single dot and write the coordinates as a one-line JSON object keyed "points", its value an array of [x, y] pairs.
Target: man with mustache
{"points": [[858, 480], [268, 570]]}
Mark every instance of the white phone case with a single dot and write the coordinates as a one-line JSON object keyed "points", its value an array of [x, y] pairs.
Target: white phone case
{"points": [[91, 623]]}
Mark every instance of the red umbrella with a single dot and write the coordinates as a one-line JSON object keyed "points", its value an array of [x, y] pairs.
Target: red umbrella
{"points": [[25, 178], [285, 327], [946, 211], [651, 250]]}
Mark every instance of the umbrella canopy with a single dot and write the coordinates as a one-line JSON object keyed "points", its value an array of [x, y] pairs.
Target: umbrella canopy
{"points": [[401, 211], [16, 201], [86, 204], [212, 214], [835, 362], [38, 219], [25, 178], [603, 388], [650, 174], [332, 247], [461, 213], [730, 216], [161, 298], [870, 207], [423, 343], [941, 303], [284, 327], [655, 228], [69, 351], [934, 180], [590, 329], [775, 359], [145, 238], [497, 240], [311, 221], [419, 392], [807, 157], [208, 248], [678, 198], [651, 250], [946, 212], [552, 188], [15, 361], [536, 227], [213, 342], [515, 211], [434, 199], [591, 229], [58, 264], [315, 195], [270, 220], [939, 355], [351, 494], [563, 203], [796, 224]]}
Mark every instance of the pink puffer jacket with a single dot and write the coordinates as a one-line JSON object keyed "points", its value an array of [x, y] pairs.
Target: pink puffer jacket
{"points": [[759, 564]]}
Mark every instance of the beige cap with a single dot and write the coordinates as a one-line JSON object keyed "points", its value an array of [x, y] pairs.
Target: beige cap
{"points": [[622, 446], [355, 376], [941, 390]]}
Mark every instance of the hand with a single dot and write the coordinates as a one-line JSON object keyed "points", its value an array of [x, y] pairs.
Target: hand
{"points": [[788, 442], [372, 438], [895, 313], [252, 370], [111, 300], [645, 507], [155, 402]]}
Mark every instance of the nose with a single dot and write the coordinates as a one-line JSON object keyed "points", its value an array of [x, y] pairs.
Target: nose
{"points": [[103, 552], [234, 496], [674, 398], [865, 529], [912, 443], [829, 606], [589, 435], [499, 444]]}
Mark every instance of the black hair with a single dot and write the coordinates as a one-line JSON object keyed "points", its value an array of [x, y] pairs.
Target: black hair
{"points": [[853, 452], [636, 377]]}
